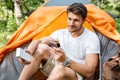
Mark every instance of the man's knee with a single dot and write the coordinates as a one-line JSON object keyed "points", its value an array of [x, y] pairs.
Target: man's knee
{"points": [[59, 67], [60, 71], [43, 50]]}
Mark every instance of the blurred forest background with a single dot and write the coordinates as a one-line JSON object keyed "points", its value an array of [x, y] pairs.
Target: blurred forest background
{"points": [[14, 12]]}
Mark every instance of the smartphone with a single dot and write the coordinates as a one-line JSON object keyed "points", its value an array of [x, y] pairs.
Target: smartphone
{"points": [[20, 53], [54, 44]]}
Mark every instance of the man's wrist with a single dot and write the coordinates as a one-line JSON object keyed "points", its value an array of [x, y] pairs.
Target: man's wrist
{"points": [[67, 62]]}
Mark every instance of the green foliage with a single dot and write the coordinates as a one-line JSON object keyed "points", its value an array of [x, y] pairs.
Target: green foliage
{"points": [[4, 37], [117, 20], [10, 5], [7, 28], [34, 3], [111, 6], [3, 24], [11, 25], [7, 20]]}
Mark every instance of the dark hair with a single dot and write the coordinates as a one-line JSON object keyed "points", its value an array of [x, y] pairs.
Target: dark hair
{"points": [[79, 9]]}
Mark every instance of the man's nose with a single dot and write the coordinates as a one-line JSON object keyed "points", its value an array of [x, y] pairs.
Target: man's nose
{"points": [[71, 22]]}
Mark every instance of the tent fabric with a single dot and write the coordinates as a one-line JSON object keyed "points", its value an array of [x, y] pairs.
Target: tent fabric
{"points": [[43, 21], [101, 21]]}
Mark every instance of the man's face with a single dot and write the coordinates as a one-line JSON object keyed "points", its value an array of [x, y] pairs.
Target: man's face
{"points": [[74, 22]]}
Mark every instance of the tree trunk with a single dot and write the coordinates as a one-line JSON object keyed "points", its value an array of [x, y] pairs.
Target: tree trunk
{"points": [[99, 3], [18, 11]]}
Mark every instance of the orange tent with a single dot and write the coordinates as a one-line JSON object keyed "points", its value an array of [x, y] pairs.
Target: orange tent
{"points": [[45, 20]]}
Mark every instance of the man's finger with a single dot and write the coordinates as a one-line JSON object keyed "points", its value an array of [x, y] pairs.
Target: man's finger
{"points": [[58, 49], [23, 61], [32, 47]]}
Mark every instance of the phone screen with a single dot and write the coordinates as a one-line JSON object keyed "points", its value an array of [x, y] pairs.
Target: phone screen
{"points": [[53, 44]]}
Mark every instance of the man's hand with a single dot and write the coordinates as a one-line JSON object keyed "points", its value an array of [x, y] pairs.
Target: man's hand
{"points": [[59, 54], [34, 44], [32, 47], [24, 61]]}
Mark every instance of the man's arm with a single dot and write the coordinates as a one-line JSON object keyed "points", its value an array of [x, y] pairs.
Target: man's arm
{"points": [[33, 45], [87, 69]]}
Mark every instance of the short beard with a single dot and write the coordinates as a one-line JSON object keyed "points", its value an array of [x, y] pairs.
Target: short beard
{"points": [[77, 30]]}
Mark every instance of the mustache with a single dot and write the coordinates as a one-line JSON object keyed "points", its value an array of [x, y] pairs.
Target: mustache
{"points": [[71, 25]]}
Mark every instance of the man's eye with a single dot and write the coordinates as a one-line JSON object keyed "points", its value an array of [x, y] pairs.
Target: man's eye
{"points": [[76, 20], [69, 18]]}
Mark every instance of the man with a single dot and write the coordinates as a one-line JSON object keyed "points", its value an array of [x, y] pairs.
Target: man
{"points": [[76, 58], [112, 66]]}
